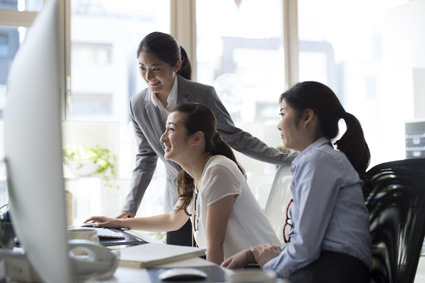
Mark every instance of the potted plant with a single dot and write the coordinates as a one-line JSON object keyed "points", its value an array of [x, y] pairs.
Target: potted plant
{"points": [[87, 161], [283, 149]]}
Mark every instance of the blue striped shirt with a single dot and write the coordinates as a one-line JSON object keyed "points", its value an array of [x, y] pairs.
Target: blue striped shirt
{"points": [[328, 212]]}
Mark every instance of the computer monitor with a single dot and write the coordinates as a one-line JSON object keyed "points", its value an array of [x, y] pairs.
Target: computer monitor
{"points": [[33, 150]]}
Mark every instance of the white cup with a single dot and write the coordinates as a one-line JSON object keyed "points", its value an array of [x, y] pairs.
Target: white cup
{"points": [[251, 276], [83, 234]]}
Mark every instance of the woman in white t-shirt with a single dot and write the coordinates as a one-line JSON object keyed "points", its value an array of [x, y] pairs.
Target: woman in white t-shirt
{"points": [[212, 188]]}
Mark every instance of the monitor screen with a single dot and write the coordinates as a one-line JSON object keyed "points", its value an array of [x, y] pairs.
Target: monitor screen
{"points": [[33, 149]]}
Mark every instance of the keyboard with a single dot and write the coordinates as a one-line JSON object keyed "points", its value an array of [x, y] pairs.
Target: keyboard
{"points": [[107, 233]]}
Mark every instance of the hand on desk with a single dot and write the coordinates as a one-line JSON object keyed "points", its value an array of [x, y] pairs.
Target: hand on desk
{"points": [[260, 254], [102, 221], [263, 253], [126, 214], [239, 260]]}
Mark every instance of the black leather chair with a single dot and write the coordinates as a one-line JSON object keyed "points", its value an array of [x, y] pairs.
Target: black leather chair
{"points": [[397, 219]]}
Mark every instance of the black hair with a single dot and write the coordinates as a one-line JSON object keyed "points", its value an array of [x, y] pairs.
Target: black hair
{"points": [[166, 48], [326, 105], [198, 117]]}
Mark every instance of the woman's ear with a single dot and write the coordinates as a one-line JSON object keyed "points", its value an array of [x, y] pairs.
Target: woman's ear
{"points": [[308, 116], [178, 66], [198, 137]]}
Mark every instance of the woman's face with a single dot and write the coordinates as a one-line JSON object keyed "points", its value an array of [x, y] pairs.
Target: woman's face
{"points": [[290, 127], [175, 140], [158, 74]]}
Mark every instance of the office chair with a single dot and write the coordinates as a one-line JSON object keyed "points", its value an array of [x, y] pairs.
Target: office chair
{"points": [[397, 219], [279, 197]]}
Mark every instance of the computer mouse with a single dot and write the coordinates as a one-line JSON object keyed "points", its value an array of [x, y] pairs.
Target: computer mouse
{"points": [[89, 224], [179, 274]]}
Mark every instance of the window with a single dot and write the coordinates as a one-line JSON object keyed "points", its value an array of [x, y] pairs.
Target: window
{"points": [[240, 53], [15, 16], [351, 48], [104, 70], [368, 52], [104, 74]]}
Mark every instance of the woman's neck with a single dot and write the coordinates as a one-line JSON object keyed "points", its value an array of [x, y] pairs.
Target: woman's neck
{"points": [[165, 93], [195, 167], [163, 98]]}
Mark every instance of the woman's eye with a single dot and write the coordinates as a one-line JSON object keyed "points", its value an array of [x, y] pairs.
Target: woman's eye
{"points": [[156, 69]]}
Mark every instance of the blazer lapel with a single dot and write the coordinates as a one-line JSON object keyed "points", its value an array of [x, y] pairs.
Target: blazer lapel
{"points": [[155, 120], [183, 92]]}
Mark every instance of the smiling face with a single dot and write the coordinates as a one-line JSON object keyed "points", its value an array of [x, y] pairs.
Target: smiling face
{"points": [[290, 127], [175, 139], [158, 74]]}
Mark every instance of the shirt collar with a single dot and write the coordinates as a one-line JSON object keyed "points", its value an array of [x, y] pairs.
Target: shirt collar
{"points": [[316, 144], [171, 100]]}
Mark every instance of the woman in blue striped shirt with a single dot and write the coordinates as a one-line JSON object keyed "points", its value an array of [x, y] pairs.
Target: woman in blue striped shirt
{"points": [[329, 238]]}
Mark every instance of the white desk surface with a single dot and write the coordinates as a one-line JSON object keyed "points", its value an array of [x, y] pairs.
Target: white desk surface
{"points": [[129, 275], [140, 275], [125, 274]]}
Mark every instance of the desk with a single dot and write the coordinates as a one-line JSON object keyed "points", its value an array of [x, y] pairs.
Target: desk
{"points": [[129, 275]]}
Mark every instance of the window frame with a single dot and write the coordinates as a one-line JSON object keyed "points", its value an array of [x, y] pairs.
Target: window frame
{"points": [[183, 28]]}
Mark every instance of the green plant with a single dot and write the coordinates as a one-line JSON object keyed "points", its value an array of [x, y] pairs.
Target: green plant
{"points": [[98, 155], [283, 149]]}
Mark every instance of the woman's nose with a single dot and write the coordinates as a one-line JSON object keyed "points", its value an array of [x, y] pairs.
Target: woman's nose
{"points": [[162, 139], [148, 75]]}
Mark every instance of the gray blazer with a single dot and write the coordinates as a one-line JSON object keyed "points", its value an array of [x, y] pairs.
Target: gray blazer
{"points": [[149, 127]]}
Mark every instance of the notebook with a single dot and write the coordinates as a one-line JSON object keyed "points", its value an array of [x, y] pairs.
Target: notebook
{"points": [[126, 239], [153, 254]]}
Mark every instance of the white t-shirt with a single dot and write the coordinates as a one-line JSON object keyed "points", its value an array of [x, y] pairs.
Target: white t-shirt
{"points": [[247, 225]]}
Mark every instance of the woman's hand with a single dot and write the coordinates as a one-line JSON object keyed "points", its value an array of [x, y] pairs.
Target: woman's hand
{"points": [[239, 260], [126, 214], [263, 253], [102, 221]]}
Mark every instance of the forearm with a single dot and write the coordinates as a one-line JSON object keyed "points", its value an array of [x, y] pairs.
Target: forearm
{"points": [[158, 223], [215, 253]]}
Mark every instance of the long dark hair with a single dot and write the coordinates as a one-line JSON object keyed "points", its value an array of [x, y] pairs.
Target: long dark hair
{"points": [[167, 49], [198, 117], [325, 104]]}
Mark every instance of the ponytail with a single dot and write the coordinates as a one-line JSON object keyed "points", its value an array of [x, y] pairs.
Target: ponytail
{"points": [[186, 68], [354, 146]]}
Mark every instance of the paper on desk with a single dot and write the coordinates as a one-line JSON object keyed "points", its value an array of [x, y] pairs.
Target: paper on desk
{"points": [[153, 254]]}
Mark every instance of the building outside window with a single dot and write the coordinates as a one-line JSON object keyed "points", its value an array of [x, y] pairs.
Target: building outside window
{"points": [[368, 52]]}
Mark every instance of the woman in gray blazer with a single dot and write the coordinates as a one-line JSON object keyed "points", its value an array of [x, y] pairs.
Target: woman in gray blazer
{"points": [[165, 67]]}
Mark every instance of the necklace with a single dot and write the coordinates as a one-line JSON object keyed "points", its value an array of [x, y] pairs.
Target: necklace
{"points": [[195, 216]]}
